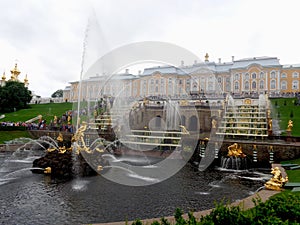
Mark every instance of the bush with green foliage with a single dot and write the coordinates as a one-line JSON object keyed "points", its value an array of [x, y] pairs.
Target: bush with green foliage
{"points": [[283, 208], [14, 96]]}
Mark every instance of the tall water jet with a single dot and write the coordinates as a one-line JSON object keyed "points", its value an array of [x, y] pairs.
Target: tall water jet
{"points": [[171, 110]]}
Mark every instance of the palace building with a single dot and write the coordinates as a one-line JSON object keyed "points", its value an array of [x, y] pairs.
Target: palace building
{"points": [[241, 78]]}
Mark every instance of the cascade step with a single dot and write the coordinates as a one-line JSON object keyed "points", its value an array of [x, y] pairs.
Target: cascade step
{"points": [[295, 167], [292, 184], [289, 165], [296, 189]]}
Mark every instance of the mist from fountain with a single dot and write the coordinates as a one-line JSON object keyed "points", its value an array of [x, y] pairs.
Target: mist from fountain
{"points": [[171, 110], [262, 101], [16, 165]]}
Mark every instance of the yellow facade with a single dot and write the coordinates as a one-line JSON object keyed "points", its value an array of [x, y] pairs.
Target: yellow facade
{"points": [[243, 77]]}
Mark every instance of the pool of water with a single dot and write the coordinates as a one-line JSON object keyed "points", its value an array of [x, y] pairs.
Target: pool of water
{"points": [[27, 198]]}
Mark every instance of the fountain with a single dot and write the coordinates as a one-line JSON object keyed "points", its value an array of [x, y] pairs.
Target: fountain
{"points": [[246, 118], [94, 199], [172, 114], [235, 158]]}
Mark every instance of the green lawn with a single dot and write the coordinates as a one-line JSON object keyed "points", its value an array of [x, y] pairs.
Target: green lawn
{"points": [[48, 111], [10, 135], [294, 175], [282, 110]]}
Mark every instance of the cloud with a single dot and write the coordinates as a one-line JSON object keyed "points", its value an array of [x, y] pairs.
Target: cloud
{"points": [[46, 37]]}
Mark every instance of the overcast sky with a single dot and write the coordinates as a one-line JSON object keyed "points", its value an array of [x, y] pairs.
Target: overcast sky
{"points": [[46, 37]]}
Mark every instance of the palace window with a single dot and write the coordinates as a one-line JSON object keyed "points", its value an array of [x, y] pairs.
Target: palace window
{"points": [[273, 75], [247, 85], [247, 76], [219, 80], [236, 86], [283, 85], [253, 75], [283, 75], [295, 85], [254, 85], [236, 76], [295, 75], [188, 85], [273, 84], [210, 86], [170, 86], [162, 86], [262, 75], [228, 84], [261, 84], [195, 86]]}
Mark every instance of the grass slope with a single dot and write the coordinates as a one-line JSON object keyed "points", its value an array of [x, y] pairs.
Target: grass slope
{"points": [[10, 135], [48, 111], [282, 109], [294, 175]]}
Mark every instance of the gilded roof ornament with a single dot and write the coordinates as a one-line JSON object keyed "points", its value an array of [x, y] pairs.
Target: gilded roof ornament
{"points": [[206, 57], [3, 76], [15, 73]]}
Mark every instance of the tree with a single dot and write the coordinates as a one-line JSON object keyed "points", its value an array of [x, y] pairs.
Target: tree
{"points": [[57, 94], [14, 96]]}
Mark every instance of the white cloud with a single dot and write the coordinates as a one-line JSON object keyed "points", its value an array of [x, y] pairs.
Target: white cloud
{"points": [[46, 37]]}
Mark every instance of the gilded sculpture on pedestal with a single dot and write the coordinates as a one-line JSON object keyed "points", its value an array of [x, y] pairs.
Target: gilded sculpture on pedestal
{"points": [[277, 181], [290, 125], [235, 150], [61, 149]]}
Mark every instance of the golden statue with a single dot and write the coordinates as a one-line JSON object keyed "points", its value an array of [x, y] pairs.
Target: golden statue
{"points": [[55, 120], [62, 149], [214, 123], [277, 181], [184, 130], [268, 113], [78, 136], [60, 138], [235, 150], [184, 102], [270, 124], [47, 170], [290, 125]]}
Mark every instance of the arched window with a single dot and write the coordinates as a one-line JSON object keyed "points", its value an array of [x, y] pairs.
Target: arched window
{"points": [[195, 86], [246, 85], [283, 75], [295, 85], [273, 74], [295, 75], [247, 76], [162, 86], [283, 85], [158, 121], [262, 75], [183, 120], [261, 84], [237, 76], [193, 124], [254, 85], [170, 86], [236, 86], [273, 84], [253, 75]]}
